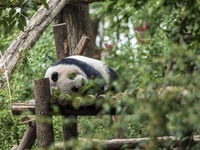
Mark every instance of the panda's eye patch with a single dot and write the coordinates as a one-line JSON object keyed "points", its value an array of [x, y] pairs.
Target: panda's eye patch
{"points": [[54, 76], [72, 76]]}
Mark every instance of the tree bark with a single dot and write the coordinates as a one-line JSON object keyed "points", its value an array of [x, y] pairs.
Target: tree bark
{"points": [[44, 125], [60, 38], [62, 50], [77, 19]]}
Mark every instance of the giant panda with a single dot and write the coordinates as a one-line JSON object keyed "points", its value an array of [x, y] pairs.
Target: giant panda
{"points": [[80, 74]]}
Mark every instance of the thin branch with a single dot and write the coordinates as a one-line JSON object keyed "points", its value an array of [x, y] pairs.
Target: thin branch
{"points": [[169, 68], [10, 96]]}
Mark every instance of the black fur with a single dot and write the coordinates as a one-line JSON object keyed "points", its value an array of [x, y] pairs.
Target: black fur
{"points": [[90, 72], [54, 76]]}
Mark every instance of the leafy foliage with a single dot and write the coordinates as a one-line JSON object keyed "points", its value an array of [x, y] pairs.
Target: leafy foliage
{"points": [[166, 31], [14, 12]]}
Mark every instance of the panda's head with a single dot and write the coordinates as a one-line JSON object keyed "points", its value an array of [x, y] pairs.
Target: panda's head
{"points": [[66, 78]]}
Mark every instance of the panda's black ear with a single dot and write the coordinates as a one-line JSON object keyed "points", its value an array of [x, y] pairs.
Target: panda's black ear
{"points": [[54, 76]]}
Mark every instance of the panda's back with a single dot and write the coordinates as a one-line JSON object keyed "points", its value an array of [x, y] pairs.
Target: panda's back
{"points": [[96, 64]]}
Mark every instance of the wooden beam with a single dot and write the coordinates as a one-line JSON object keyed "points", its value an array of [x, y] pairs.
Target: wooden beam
{"points": [[29, 137], [81, 45], [44, 124], [69, 131], [92, 110], [60, 38], [26, 40], [20, 108], [141, 143]]}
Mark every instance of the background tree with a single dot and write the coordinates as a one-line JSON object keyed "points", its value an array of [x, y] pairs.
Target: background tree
{"points": [[77, 19]]}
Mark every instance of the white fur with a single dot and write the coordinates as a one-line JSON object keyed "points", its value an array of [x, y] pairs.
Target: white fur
{"points": [[97, 64], [64, 84], [63, 78]]}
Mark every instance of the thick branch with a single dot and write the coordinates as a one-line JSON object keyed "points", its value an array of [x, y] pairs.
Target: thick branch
{"points": [[81, 45]]}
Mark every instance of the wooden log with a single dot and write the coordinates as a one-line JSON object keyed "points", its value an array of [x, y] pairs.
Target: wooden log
{"points": [[28, 138], [20, 108], [26, 40], [83, 110], [81, 45], [44, 126], [141, 143], [60, 38], [92, 110]]}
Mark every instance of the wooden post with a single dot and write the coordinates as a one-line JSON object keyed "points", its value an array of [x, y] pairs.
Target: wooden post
{"points": [[62, 50], [69, 132], [60, 38], [44, 127]]}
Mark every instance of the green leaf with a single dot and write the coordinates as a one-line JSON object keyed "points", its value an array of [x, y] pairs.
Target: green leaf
{"points": [[21, 1], [20, 26], [5, 24], [23, 20], [12, 12], [12, 24], [25, 13]]}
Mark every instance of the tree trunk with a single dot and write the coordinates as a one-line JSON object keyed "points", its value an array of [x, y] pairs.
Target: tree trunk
{"points": [[77, 19]]}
